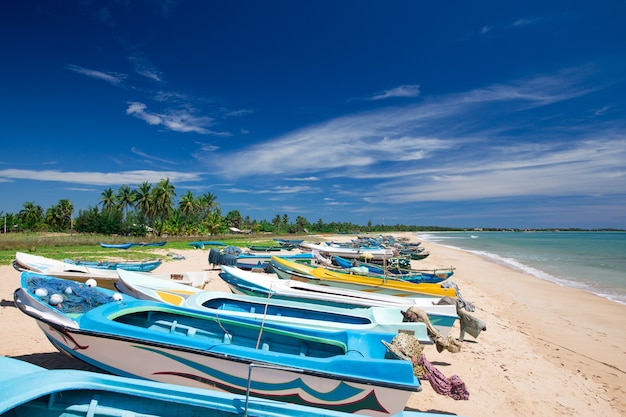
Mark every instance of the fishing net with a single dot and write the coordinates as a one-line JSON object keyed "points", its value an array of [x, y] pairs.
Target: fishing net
{"points": [[74, 298], [406, 347]]}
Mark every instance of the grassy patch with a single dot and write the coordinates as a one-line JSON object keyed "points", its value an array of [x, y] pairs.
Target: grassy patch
{"points": [[87, 247]]}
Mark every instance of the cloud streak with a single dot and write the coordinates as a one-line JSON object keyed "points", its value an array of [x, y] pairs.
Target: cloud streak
{"points": [[98, 178]]}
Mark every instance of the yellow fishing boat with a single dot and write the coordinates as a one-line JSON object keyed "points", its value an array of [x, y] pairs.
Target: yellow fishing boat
{"points": [[286, 269]]}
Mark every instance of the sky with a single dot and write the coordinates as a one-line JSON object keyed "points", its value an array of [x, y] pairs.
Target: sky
{"points": [[459, 114]]}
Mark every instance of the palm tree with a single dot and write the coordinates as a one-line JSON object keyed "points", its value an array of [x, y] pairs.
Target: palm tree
{"points": [[163, 195], [125, 198], [276, 221], [54, 218], [188, 207], [143, 201], [66, 210], [31, 215], [107, 198], [207, 202]]}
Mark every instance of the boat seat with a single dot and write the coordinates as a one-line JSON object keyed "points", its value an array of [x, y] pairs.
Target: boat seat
{"points": [[180, 329]]}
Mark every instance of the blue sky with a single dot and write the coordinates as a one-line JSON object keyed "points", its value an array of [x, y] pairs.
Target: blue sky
{"points": [[454, 113]]}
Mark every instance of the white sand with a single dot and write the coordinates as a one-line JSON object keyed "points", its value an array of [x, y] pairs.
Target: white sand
{"points": [[548, 350]]}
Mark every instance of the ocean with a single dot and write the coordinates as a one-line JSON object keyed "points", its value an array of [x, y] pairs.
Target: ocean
{"points": [[590, 261]]}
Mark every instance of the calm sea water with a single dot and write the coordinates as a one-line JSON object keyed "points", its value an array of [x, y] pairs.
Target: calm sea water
{"points": [[590, 261]]}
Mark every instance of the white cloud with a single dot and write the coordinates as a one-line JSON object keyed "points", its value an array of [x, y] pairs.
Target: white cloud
{"points": [[113, 78], [181, 120], [401, 91], [99, 178]]}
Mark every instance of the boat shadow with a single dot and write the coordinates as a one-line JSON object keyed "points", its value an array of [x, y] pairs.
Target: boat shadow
{"points": [[417, 410], [57, 360]]}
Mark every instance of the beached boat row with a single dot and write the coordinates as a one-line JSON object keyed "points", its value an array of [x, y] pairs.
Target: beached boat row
{"points": [[293, 338]]}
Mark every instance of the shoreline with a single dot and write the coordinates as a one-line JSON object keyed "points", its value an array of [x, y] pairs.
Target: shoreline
{"points": [[548, 349]]}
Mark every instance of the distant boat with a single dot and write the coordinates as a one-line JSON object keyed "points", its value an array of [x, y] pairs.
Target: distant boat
{"points": [[346, 370], [363, 252], [202, 244], [129, 245], [413, 275], [126, 245], [141, 266], [270, 248], [30, 390]]}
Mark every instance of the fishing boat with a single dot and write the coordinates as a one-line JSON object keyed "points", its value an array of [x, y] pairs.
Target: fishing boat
{"points": [[193, 281], [345, 370], [270, 310], [264, 285], [413, 275], [126, 245], [30, 390], [271, 248], [361, 252], [202, 244], [286, 269], [141, 266], [26, 261], [265, 257]]}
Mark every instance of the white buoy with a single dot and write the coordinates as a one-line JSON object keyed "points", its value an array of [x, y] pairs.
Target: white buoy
{"points": [[117, 296], [41, 292], [68, 290], [91, 283], [56, 299]]}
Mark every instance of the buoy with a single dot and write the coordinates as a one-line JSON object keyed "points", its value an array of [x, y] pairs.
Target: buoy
{"points": [[68, 290], [41, 292], [56, 299], [117, 296], [91, 283]]}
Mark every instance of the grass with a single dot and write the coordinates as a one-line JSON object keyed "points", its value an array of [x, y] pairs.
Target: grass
{"points": [[87, 247]]}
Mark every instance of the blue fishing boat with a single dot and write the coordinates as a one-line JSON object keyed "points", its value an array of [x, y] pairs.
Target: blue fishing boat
{"points": [[30, 390], [126, 245], [140, 266], [202, 244], [267, 286], [345, 370], [412, 275], [284, 312]]}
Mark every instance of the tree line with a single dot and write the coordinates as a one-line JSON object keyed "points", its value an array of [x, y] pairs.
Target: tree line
{"points": [[155, 209]]}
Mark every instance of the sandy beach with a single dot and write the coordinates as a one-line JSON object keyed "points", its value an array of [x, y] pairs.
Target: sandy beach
{"points": [[548, 350]]}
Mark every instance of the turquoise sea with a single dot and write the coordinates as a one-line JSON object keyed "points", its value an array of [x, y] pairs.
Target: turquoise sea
{"points": [[590, 261]]}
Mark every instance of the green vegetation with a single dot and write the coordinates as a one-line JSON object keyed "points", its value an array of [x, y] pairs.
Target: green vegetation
{"points": [[152, 210]]}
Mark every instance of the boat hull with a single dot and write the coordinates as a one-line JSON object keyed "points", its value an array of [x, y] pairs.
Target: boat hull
{"points": [[123, 338], [29, 390]]}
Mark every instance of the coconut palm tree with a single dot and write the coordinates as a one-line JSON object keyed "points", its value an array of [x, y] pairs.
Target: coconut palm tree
{"points": [[31, 215], [143, 202], [107, 198], [125, 198], [162, 196]]}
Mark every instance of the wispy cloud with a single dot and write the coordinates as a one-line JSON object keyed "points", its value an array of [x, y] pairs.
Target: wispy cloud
{"points": [[478, 145], [98, 178], [114, 78], [144, 68], [178, 120], [151, 157], [401, 91]]}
